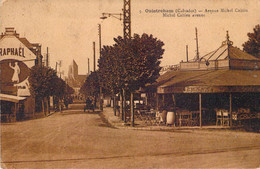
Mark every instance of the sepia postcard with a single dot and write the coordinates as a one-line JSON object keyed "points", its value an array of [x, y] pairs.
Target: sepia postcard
{"points": [[130, 84]]}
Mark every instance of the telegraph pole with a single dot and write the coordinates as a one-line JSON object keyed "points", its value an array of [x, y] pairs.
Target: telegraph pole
{"points": [[99, 34], [94, 56], [187, 53], [127, 19], [197, 44], [127, 35], [47, 57], [100, 94], [88, 66]]}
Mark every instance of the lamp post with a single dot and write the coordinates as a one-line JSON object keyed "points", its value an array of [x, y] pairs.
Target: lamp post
{"points": [[100, 89], [126, 18], [127, 35], [114, 15]]}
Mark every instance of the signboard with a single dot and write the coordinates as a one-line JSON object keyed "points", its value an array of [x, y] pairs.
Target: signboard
{"points": [[207, 89], [16, 60]]}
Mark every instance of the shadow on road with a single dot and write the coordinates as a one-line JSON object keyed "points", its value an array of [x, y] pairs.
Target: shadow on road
{"points": [[73, 112], [175, 154], [105, 121]]}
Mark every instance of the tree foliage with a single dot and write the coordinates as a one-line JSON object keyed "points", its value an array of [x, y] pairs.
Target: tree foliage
{"points": [[44, 82], [252, 46], [130, 63], [91, 85]]}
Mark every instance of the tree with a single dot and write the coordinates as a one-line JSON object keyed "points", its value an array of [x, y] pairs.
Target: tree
{"points": [[69, 90], [252, 46], [110, 71], [91, 86], [42, 83], [131, 64], [143, 61]]}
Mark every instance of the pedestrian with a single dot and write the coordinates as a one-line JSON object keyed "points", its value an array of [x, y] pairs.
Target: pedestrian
{"points": [[66, 102], [88, 104]]}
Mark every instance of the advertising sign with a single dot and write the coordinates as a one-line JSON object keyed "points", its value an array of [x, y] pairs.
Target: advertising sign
{"points": [[16, 60]]}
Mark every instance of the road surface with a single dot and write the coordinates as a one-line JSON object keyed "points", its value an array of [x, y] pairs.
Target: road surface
{"points": [[74, 139]]}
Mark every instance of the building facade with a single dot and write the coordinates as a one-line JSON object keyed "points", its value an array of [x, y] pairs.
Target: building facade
{"points": [[74, 79], [220, 87], [17, 56]]}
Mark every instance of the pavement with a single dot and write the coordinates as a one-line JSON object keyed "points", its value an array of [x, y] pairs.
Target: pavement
{"points": [[116, 122]]}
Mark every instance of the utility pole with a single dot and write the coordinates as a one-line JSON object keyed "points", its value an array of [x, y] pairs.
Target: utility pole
{"points": [[127, 19], [47, 57], [187, 53], [88, 66], [94, 56], [100, 89], [99, 34], [127, 35], [56, 66], [197, 44]]}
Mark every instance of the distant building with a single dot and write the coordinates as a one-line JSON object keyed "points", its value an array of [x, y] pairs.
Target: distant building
{"points": [[74, 79], [17, 56]]}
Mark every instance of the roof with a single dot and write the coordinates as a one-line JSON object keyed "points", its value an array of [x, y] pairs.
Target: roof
{"points": [[26, 43], [211, 81], [214, 78], [82, 78], [11, 98], [234, 53], [226, 69]]}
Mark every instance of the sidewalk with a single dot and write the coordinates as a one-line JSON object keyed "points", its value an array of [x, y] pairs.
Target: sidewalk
{"points": [[116, 122]]}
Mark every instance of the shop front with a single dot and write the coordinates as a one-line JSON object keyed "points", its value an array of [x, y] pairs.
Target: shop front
{"points": [[17, 56], [221, 88]]}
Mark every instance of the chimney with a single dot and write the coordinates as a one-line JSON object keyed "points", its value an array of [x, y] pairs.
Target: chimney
{"points": [[11, 31]]}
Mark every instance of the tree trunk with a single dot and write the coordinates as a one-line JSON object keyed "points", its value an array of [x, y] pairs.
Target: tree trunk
{"points": [[43, 109], [95, 102], [34, 108], [60, 104], [132, 110], [48, 106], [101, 99], [121, 105], [115, 105], [124, 105]]}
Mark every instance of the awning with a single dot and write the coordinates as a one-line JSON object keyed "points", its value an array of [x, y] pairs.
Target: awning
{"points": [[211, 81], [11, 98]]}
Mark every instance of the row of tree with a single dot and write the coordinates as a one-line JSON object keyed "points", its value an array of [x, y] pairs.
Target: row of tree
{"points": [[45, 83], [125, 67], [129, 65]]}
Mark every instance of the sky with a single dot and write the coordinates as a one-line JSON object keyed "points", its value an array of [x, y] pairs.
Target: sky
{"points": [[69, 27]]}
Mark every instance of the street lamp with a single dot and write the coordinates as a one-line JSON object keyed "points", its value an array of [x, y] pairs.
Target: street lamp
{"points": [[126, 18], [114, 15], [127, 35]]}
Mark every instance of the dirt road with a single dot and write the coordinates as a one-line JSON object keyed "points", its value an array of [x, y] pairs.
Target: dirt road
{"points": [[74, 139]]}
